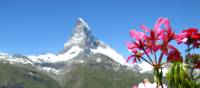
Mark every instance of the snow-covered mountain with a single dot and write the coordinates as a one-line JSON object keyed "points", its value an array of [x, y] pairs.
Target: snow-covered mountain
{"points": [[82, 47]]}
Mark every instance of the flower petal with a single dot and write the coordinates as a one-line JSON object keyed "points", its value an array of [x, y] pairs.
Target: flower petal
{"points": [[158, 23], [145, 28], [167, 23], [137, 35], [134, 60], [134, 34], [129, 58]]}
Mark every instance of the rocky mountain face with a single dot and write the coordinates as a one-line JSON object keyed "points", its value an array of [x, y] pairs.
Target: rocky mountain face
{"points": [[84, 60]]}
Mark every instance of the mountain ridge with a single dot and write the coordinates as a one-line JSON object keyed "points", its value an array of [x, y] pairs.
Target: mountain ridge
{"points": [[82, 44]]}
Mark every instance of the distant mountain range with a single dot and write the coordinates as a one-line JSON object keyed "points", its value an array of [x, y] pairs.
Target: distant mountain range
{"points": [[85, 62]]}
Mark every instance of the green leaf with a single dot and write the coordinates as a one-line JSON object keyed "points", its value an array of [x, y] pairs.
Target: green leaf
{"points": [[175, 75]]}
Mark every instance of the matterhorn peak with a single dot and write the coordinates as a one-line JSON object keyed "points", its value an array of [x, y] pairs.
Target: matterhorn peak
{"points": [[86, 44], [81, 22], [81, 36]]}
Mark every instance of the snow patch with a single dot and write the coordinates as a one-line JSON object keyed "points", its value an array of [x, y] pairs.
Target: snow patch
{"points": [[74, 40], [108, 51], [19, 60], [98, 60], [73, 52], [52, 58], [30, 73], [5, 55], [49, 69], [43, 58]]}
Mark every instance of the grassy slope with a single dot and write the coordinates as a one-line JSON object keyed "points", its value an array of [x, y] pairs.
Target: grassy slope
{"points": [[84, 76], [81, 76], [16, 77]]}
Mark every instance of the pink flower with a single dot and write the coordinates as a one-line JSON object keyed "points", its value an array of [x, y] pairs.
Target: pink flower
{"points": [[181, 38], [157, 31], [136, 57], [157, 39], [132, 46], [137, 35], [174, 56], [190, 36]]}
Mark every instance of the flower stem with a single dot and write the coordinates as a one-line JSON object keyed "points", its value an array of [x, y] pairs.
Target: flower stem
{"points": [[155, 58], [160, 58], [146, 61], [147, 55], [158, 76], [188, 49]]}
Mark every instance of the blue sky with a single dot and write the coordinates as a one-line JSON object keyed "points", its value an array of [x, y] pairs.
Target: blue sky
{"points": [[40, 26]]}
